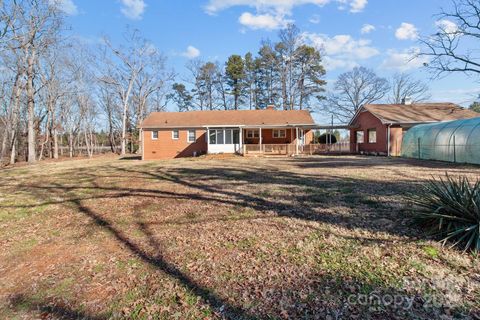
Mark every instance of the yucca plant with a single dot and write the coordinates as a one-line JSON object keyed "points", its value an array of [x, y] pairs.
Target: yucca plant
{"points": [[450, 209]]}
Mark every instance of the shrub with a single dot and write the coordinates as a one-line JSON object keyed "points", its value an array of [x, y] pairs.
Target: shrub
{"points": [[450, 209], [327, 138]]}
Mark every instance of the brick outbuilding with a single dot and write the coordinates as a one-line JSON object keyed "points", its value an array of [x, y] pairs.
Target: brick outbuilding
{"points": [[379, 128]]}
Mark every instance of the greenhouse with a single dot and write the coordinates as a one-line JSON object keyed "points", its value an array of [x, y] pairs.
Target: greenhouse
{"points": [[454, 141]]}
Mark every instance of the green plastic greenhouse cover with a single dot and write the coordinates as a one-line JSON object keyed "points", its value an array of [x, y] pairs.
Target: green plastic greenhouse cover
{"points": [[454, 141]]}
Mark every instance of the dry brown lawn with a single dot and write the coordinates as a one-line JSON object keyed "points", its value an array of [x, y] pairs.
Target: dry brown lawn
{"points": [[276, 238]]}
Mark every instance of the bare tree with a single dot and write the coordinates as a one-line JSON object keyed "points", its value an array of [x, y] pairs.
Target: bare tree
{"points": [[220, 87], [53, 79], [353, 89], [123, 66], [404, 85], [290, 40], [35, 28], [454, 48], [153, 82], [108, 102], [199, 94]]}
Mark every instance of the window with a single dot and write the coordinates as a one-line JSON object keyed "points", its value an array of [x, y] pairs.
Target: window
{"points": [[372, 135], [213, 136], [224, 136], [154, 135], [216, 136], [175, 134], [279, 133], [228, 136], [360, 137], [236, 136], [191, 136], [220, 137], [253, 134]]}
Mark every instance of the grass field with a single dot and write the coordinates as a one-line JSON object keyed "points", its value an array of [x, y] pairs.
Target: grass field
{"points": [[311, 238]]}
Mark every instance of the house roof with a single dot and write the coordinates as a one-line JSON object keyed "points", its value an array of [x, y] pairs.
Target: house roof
{"points": [[227, 118], [417, 113]]}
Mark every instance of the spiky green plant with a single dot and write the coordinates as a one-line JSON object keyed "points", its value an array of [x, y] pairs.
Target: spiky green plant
{"points": [[450, 209]]}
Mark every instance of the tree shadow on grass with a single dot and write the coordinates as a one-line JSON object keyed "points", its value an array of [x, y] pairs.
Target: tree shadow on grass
{"points": [[302, 196], [366, 162], [212, 185], [50, 310]]}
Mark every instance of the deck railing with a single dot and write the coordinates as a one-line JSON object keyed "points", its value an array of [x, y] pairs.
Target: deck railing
{"points": [[339, 147], [290, 149]]}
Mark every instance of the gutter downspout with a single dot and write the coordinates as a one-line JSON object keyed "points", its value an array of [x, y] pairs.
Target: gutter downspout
{"points": [[207, 137], [143, 143], [388, 139]]}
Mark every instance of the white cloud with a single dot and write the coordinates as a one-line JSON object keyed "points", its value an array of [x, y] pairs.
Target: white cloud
{"points": [[191, 52], [332, 63], [262, 21], [67, 6], [447, 26], [272, 14], [404, 60], [406, 31], [367, 28], [355, 5], [358, 5], [315, 19], [280, 6], [133, 9], [341, 51]]}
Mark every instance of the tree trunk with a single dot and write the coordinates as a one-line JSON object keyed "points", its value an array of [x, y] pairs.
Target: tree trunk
{"points": [[284, 89], [4, 143], [15, 103], [302, 92], [13, 152], [47, 135], [31, 106], [124, 116], [55, 143], [87, 143], [70, 144]]}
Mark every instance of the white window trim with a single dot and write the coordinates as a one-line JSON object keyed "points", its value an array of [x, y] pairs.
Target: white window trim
{"points": [[188, 135], [356, 136], [279, 136], [173, 136], [253, 133], [153, 138], [368, 133]]}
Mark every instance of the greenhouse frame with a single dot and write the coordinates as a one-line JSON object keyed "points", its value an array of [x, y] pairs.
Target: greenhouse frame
{"points": [[453, 141]]}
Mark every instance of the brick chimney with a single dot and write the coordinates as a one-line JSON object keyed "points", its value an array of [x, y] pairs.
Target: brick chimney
{"points": [[271, 107], [407, 101]]}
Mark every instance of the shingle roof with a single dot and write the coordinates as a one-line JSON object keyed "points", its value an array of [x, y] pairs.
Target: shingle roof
{"points": [[227, 118], [419, 112]]}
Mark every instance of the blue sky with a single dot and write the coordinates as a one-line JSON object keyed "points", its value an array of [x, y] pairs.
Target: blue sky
{"points": [[380, 34]]}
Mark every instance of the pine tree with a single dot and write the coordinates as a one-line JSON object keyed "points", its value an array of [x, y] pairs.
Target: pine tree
{"points": [[235, 71]]}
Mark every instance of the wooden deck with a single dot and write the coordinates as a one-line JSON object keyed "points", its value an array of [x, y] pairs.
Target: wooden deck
{"points": [[291, 149]]}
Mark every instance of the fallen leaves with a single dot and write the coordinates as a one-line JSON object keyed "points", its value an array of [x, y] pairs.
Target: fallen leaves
{"points": [[203, 239]]}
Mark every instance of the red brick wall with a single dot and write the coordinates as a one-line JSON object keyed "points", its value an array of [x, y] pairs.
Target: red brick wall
{"points": [[267, 137], [167, 148], [365, 121]]}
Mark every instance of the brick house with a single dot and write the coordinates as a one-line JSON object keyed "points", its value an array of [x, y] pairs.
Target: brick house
{"points": [[379, 128], [166, 135]]}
